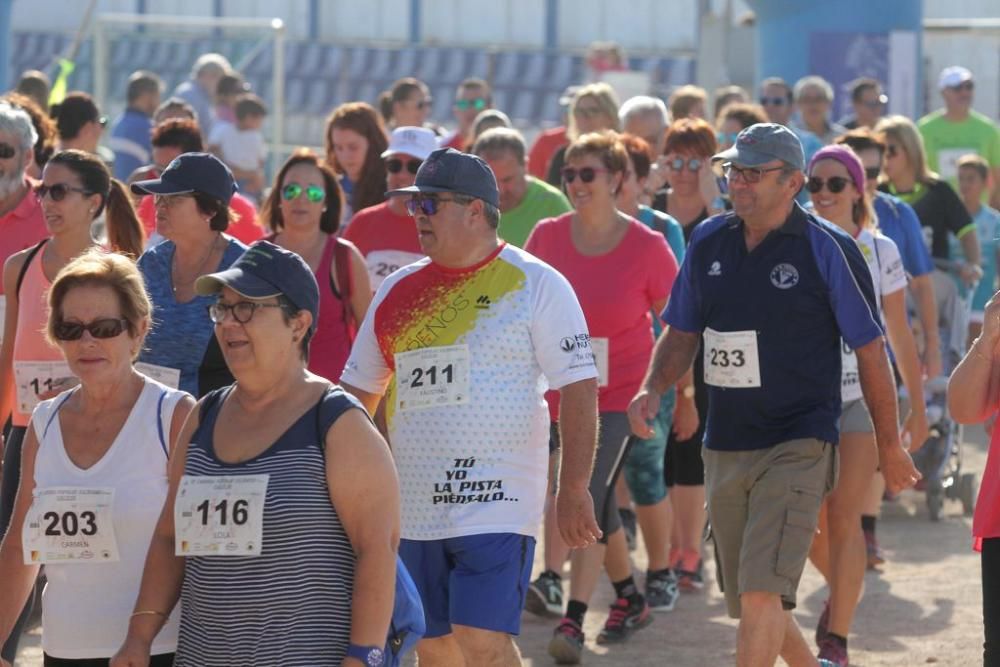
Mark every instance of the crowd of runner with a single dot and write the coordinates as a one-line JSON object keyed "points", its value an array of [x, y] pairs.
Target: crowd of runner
{"points": [[324, 420]]}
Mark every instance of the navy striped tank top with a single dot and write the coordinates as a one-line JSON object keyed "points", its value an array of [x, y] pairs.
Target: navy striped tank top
{"points": [[291, 605]]}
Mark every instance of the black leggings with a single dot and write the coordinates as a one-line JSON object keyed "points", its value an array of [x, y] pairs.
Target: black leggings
{"points": [[8, 494], [162, 660], [991, 601]]}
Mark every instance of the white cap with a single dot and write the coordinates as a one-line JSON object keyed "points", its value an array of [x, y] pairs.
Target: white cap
{"points": [[953, 76], [416, 141]]}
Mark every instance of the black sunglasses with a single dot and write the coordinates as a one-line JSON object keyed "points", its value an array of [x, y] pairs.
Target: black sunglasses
{"points": [[103, 328], [426, 205], [773, 101], [834, 184], [872, 173], [586, 174], [59, 191], [7, 151], [395, 165]]}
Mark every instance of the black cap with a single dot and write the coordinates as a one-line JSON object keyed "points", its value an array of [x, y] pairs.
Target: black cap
{"points": [[192, 172], [448, 170], [267, 270]]}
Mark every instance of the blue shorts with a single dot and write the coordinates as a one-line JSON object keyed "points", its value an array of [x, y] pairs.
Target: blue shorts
{"points": [[478, 580]]}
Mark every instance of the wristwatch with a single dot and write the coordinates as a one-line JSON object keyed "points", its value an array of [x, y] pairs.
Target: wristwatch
{"points": [[370, 656]]}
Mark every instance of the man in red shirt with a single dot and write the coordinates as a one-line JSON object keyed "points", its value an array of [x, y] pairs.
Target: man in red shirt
{"points": [[549, 141], [385, 233], [472, 97]]}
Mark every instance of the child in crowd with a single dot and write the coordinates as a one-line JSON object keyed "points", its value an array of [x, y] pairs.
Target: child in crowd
{"points": [[241, 146], [229, 88], [973, 181]]}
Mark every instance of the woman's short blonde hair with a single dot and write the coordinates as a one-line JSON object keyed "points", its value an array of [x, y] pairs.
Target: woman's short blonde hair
{"points": [[97, 268], [901, 130], [605, 97]]}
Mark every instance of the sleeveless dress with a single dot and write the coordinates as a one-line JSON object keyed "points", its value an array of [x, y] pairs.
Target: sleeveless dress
{"points": [[291, 605]]}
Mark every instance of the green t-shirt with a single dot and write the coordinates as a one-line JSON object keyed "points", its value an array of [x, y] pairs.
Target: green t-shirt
{"points": [[946, 141], [541, 201]]}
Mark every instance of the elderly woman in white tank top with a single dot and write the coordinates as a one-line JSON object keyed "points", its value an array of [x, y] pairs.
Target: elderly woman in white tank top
{"points": [[94, 471]]}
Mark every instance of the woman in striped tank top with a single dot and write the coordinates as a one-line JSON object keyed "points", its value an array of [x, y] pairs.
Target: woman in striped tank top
{"points": [[280, 529]]}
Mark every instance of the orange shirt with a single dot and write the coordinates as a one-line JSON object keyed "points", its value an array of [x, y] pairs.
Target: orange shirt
{"points": [[244, 228]]}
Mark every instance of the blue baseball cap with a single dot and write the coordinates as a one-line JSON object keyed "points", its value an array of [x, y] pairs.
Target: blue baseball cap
{"points": [[267, 270], [448, 170], [763, 142], [192, 172]]}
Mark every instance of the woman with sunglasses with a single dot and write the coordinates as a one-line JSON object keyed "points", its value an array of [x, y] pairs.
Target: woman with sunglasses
{"points": [[621, 271], [594, 108], [303, 214], [192, 198], [293, 474], [385, 233], [355, 140], [836, 184], [95, 471], [76, 189], [408, 102]]}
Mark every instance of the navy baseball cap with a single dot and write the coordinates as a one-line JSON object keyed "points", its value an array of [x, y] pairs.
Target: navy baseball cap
{"points": [[266, 270], [448, 170], [763, 142], [191, 172]]}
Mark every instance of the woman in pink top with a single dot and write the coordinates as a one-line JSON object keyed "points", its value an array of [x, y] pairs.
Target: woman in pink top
{"points": [[620, 270], [76, 189], [303, 212], [973, 397]]}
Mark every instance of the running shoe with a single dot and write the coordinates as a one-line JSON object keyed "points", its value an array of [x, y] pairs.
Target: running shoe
{"points": [[823, 625], [875, 555], [545, 595], [566, 645], [689, 572], [661, 591], [627, 517], [833, 653], [623, 620]]}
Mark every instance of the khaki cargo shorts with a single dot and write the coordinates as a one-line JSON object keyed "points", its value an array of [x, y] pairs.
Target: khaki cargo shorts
{"points": [[763, 506]]}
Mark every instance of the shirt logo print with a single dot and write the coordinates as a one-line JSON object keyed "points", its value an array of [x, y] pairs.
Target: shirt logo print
{"points": [[784, 276], [715, 269]]}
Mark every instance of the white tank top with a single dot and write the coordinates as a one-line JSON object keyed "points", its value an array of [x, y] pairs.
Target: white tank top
{"points": [[86, 606]]}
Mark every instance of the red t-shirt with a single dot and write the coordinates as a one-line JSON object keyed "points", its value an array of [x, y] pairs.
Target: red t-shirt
{"points": [[22, 227], [545, 146], [986, 520], [243, 227], [617, 291], [456, 140], [388, 241]]}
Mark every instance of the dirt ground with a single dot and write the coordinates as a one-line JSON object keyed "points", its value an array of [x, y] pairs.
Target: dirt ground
{"points": [[925, 607]]}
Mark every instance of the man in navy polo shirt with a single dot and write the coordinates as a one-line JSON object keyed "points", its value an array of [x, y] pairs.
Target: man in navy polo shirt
{"points": [[772, 290]]}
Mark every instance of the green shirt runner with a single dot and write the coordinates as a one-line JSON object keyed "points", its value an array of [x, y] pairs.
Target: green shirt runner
{"points": [[541, 201], [946, 141]]}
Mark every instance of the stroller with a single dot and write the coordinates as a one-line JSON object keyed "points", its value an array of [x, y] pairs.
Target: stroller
{"points": [[940, 459]]}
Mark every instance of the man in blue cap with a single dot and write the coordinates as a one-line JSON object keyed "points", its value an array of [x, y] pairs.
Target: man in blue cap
{"points": [[772, 290], [463, 345]]}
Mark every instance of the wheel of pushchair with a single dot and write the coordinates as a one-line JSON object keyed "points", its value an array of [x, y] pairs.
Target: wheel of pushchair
{"points": [[935, 503], [967, 492]]}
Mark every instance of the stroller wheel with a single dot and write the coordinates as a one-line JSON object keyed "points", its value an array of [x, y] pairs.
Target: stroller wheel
{"points": [[935, 503], [967, 492]]}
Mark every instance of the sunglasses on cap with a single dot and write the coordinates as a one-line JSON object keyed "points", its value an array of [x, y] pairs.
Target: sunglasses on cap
{"points": [[478, 104], [59, 191], [773, 101], [395, 165], [103, 328], [586, 174], [314, 193], [427, 205], [835, 184], [693, 164], [7, 151]]}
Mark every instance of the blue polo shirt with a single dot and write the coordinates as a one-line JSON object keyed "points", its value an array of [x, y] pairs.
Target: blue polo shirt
{"points": [[802, 289], [898, 221]]}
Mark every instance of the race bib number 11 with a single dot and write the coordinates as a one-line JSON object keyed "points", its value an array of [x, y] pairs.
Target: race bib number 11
{"points": [[38, 378], [731, 359], [220, 516]]}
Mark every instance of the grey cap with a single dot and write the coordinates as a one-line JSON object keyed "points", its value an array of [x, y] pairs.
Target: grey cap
{"points": [[763, 142]]}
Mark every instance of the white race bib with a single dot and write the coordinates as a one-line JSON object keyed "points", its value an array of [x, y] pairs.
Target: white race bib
{"points": [[731, 359], [600, 348], [432, 377], [70, 525], [381, 263], [37, 378], [850, 380], [948, 161], [220, 516], [162, 374]]}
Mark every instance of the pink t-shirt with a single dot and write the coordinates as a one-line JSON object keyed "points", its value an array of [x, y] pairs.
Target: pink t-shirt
{"points": [[986, 520], [22, 227], [617, 291]]}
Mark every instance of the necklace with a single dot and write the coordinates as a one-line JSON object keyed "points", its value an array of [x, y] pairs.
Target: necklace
{"points": [[198, 273]]}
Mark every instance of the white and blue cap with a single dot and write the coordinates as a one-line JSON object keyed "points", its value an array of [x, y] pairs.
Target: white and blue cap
{"points": [[408, 140], [763, 142], [264, 271]]}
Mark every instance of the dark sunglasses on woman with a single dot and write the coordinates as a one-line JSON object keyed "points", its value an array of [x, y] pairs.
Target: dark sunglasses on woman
{"points": [[314, 193], [103, 328], [395, 165], [59, 191], [586, 174], [834, 184]]}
